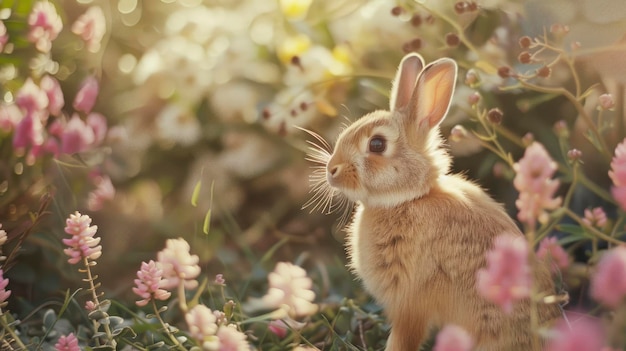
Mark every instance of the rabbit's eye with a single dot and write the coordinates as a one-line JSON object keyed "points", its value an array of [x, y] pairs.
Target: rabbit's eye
{"points": [[377, 144]]}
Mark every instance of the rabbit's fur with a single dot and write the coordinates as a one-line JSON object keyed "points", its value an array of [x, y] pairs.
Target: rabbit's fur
{"points": [[419, 234]]}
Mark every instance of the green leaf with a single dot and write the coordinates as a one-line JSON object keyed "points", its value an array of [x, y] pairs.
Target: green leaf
{"points": [[49, 318], [207, 218], [196, 193]]}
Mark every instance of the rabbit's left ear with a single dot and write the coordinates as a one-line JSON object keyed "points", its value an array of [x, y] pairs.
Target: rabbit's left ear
{"points": [[404, 83], [433, 93]]}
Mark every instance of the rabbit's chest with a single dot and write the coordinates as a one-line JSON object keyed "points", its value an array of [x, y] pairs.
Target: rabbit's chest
{"points": [[386, 258]]}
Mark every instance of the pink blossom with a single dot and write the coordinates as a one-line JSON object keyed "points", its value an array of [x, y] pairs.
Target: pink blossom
{"points": [[179, 266], [49, 146], [232, 339], [606, 102], [507, 275], [28, 132], [53, 91], [45, 24], [104, 191], [290, 288], [219, 279], [82, 244], [32, 100], [549, 249], [86, 97], [453, 338], [608, 284], [148, 284], [98, 124], [618, 174], [77, 136], [91, 27], [10, 116], [202, 327], [67, 343], [278, 328], [595, 217], [4, 293], [585, 335], [4, 36], [90, 306], [536, 187]]}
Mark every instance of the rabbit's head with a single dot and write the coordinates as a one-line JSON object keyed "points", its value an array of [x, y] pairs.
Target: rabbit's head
{"points": [[389, 157]]}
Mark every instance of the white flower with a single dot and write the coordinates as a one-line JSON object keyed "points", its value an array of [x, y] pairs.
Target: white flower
{"points": [[232, 339], [177, 124], [178, 265], [290, 289]]}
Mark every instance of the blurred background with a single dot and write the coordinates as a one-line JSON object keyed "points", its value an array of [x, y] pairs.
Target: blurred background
{"points": [[207, 95]]}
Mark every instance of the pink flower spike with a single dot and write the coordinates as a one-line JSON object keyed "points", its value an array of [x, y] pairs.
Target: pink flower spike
{"points": [[86, 97], [202, 327], [533, 180], [549, 249], [585, 335], [77, 136], [232, 339], [53, 91], [45, 24], [179, 266], [82, 244], [595, 217], [91, 27], [67, 343], [618, 174], [453, 338], [4, 293], [507, 277], [4, 36], [28, 132], [608, 284], [148, 282]]}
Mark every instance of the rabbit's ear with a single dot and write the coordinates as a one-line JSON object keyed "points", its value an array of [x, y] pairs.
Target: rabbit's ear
{"points": [[404, 83], [435, 86]]}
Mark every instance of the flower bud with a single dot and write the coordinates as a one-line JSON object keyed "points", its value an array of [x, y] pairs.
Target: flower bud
{"points": [[495, 115], [458, 133], [525, 57], [474, 98], [544, 72], [560, 129], [471, 78], [452, 40], [528, 139], [505, 72], [86, 97], [574, 154], [525, 42], [606, 102]]}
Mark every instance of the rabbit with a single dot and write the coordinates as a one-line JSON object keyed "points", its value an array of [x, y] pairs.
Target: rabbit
{"points": [[419, 235]]}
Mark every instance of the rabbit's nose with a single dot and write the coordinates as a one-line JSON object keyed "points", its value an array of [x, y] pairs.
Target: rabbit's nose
{"points": [[334, 170]]}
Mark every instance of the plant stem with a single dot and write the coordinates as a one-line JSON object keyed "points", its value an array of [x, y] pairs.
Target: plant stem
{"points": [[165, 327], [5, 326], [96, 301], [591, 229]]}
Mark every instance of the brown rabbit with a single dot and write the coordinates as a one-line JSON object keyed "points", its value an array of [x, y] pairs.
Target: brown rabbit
{"points": [[419, 234]]}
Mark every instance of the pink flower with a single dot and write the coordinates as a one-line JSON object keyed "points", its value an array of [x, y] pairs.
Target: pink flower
{"points": [[53, 91], [10, 116], [4, 36], [104, 191], [32, 100], [90, 306], [534, 182], [606, 102], [86, 97], [77, 136], [28, 132], [45, 24], [549, 249], [82, 244], [202, 327], [608, 284], [585, 335], [148, 282], [67, 343], [278, 328], [232, 339], [4, 293], [91, 27], [507, 275], [595, 217], [618, 174], [219, 279], [453, 338], [290, 288], [98, 123], [179, 266]]}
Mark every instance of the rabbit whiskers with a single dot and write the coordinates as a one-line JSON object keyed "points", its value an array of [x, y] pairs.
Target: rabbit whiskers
{"points": [[325, 198]]}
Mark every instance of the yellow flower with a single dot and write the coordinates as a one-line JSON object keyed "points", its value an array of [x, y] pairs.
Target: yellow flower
{"points": [[293, 46], [295, 9]]}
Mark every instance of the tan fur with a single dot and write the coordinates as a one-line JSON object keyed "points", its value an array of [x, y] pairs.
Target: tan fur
{"points": [[419, 235]]}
